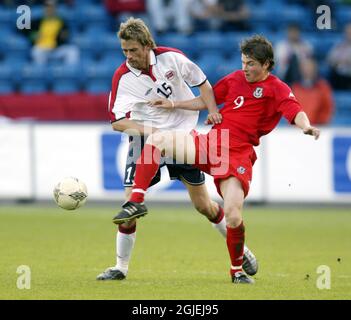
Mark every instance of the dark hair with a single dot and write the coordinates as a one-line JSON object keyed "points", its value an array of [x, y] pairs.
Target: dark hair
{"points": [[259, 48], [136, 29]]}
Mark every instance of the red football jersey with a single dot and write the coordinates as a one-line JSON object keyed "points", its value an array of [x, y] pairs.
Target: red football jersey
{"points": [[252, 110]]}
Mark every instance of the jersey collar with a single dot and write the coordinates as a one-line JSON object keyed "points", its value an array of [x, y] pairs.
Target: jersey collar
{"points": [[138, 72]]}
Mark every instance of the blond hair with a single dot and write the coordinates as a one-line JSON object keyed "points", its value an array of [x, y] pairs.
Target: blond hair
{"points": [[136, 29]]}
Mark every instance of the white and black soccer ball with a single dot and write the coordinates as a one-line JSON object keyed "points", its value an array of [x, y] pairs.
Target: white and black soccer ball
{"points": [[70, 193]]}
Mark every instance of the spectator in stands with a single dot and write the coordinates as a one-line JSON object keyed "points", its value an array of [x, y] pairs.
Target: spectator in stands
{"points": [[166, 13], [339, 59], [314, 93], [289, 54], [121, 9], [233, 15], [202, 14], [50, 37], [118, 6]]}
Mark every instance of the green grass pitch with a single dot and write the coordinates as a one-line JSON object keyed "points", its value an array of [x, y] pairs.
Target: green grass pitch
{"points": [[178, 255]]}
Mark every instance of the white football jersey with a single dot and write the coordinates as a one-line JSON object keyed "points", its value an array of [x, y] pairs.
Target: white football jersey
{"points": [[171, 74]]}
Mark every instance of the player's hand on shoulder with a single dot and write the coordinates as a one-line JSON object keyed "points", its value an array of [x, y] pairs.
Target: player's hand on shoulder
{"points": [[213, 118], [312, 131], [161, 103]]}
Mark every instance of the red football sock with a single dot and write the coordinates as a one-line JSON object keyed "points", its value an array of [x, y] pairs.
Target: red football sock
{"points": [[235, 244], [146, 168]]}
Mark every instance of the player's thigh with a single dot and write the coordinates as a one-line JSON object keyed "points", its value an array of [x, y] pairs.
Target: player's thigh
{"points": [[199, 196], [233, 195], [183, 149], [178, 145]]}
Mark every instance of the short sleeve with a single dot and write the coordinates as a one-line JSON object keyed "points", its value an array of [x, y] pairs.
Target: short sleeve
{"points": [[120, 108], [118, 104], [191, 73], [286, 102], [220, 90]]}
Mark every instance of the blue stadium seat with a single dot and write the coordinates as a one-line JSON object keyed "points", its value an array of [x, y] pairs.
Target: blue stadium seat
{"points": [[343, 108], [322, 48], [65, 86], [232, 41], [37, 11], [99, 70], [228, 67], [114, 60], [91, 14], [109, 43], [343, 14], [8, 17], [34, 77], [179, 41], [214, 42], [15, 45], [6, 87], [66, 74], [33, 86], [7, 77], [97, 86], [86, 43], [209, 62], [295, 14]]}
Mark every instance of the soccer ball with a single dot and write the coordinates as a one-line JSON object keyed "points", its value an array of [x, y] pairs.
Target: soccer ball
{"points": [[70, 193]]}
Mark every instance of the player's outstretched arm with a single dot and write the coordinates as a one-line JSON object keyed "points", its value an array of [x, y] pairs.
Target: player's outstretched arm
{"points": [[302, 121], [206, 100], [207, 95], [193, 104]]}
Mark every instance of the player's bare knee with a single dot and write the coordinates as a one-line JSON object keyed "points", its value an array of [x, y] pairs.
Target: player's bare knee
{"points": [[204, 208], [233, 215]]}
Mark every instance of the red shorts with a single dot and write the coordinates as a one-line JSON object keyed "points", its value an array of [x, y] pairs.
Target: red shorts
{"points": [[222, 161]]}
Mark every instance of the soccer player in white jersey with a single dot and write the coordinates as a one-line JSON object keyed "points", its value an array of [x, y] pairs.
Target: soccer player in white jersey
{"points": [[148, 73]]}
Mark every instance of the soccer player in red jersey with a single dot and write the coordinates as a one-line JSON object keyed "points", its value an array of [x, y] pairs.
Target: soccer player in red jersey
{"points": [[254, 102]]}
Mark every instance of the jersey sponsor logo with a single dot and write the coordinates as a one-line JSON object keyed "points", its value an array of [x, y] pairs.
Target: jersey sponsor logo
{"points": [[342, 164], [240, 170], [148, 92], [169, 75], [258, 93]]}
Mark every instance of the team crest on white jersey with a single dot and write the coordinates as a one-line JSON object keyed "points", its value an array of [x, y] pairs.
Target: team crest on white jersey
{"points": [[258, 93], [169, 75]]}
